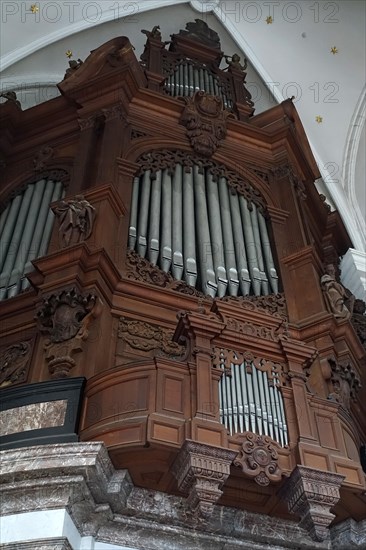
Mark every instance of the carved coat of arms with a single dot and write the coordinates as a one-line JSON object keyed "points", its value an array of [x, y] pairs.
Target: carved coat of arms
{"points": [[205, 120]]}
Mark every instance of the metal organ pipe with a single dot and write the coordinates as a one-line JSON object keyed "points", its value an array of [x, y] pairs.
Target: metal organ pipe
{"points": [[24, 228], [249, 403], [154, 219], [187, 222], [166, 222], [177, 228]]}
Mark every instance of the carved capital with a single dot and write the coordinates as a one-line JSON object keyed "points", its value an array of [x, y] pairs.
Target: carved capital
{"points": [[205, 120], [201, 471], [311, 494], [258, 459]]}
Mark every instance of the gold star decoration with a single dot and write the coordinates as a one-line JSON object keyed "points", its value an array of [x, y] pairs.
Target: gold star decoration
{"points": [[269, 20], [68, 54], [334, 50], [34, 8], [319, 119]]}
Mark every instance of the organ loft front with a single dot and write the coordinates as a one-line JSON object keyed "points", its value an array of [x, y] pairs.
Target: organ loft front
{"points": [[181, 366]]}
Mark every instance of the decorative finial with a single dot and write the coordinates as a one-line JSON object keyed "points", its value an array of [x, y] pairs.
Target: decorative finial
{"points": [[334, 50], [269, 20], [319, 119], [34, 8]]}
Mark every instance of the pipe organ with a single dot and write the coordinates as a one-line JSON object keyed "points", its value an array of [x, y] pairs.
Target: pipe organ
{"points": [[190, 222], [179, 355], [249, 401], [25, 230]]}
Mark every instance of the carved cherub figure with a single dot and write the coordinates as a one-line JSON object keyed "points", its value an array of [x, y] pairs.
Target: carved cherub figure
{"points": [[234, 62], [11, 96], [338, 299], [73, 66], [154, 33]]}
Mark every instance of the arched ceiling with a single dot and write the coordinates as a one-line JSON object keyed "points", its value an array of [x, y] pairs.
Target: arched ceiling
{"points": [[289, 55]]}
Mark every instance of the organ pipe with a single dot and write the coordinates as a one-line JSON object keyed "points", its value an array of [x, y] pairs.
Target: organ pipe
{"points": [[201, 231], [249, 403], [188, 78], [26, 226]]}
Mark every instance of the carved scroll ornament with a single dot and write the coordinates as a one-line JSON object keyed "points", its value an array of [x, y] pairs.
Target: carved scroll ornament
{"points": [[148, 337], [76, 218], [14, 363], [65, 317], [258, 458], [205, 120]]}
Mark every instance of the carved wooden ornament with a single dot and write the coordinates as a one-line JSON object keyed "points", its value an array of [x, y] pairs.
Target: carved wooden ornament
{"points": [[65, 316], [258, 459], [205, 120], [76, 218]]}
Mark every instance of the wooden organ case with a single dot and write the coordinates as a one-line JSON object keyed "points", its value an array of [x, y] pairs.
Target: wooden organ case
{"points": [[169, 246]]}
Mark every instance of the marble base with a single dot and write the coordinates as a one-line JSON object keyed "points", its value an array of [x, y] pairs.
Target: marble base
{"points": [[103, 510]]}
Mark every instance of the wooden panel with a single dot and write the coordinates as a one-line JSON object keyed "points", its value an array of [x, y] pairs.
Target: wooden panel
{"points": [[325, 426], [163, 429]]}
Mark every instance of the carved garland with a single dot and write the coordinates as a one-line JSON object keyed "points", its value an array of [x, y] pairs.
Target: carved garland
{"points": [[166, 159]]}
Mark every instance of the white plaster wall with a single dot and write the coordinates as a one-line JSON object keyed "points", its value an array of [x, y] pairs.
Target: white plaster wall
{"points": [[44, 524]]}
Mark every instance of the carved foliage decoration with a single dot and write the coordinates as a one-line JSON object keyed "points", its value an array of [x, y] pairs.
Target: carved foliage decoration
{"points": [[224, 358], [311, 494], [168, 159], [65, 317], [250, 329], [201, 471], [258, 458], [76, 218], [200, 31], [148, 337], [14, 363], [344, 381], [140, 269], [358, 320], [205, 119], [272, 303], [40, 159]]}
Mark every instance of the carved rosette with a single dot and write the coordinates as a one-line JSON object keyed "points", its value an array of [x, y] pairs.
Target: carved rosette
{"points": [[14, 363], [258, 459], [205, 120], [65, 317], [201, 471], [311, 494]]}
